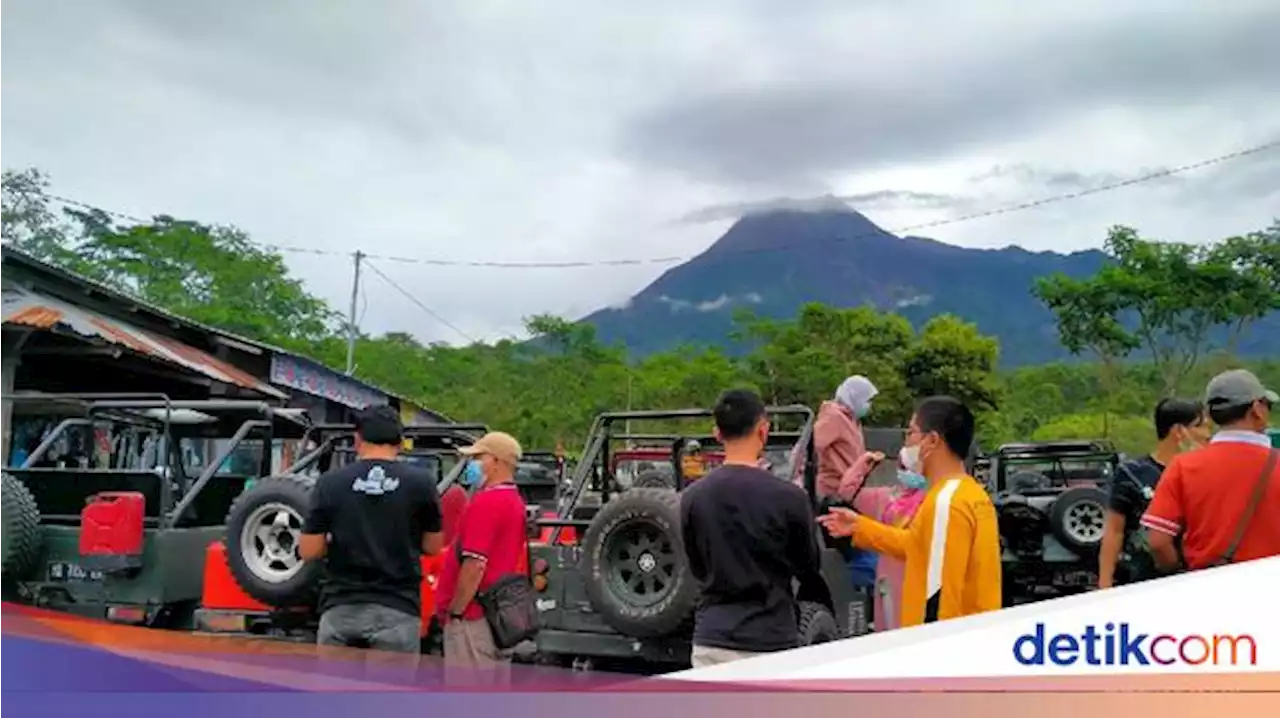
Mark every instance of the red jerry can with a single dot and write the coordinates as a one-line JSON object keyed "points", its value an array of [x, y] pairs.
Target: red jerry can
{"points": [[111, 530]]}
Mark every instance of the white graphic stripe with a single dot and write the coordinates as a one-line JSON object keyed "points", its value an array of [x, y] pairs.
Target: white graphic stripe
{"points": [[938, 540]]}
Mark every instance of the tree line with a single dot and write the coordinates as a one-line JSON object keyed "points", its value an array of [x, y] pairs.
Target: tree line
{"points": [[1142, 327]]}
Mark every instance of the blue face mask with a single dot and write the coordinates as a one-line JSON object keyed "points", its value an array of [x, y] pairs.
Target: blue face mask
{"points": [[912, 480], [862, 413], [473, 475]]}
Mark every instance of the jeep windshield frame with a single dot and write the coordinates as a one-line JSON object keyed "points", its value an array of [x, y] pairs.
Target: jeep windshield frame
{"points": [[595, 467], [1059, 458]]}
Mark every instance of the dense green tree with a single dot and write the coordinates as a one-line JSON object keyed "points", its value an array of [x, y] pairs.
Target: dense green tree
{"points": [[1251, 264], [28, 222], [804, 360], [1131, 434], [214, 275], [951, 357], [1165, 298]]}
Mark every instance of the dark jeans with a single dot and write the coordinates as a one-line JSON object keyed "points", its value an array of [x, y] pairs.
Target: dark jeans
{"points": [[369, 625]]}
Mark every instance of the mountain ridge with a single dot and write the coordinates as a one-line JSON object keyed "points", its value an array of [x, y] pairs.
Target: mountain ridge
{"points": [[776, 260]]}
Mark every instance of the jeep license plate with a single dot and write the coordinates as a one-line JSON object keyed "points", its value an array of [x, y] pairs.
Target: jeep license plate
{"points": [[66, 571]]}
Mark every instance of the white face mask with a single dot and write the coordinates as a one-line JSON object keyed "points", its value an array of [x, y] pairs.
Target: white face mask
{"points": [[910, 458]]}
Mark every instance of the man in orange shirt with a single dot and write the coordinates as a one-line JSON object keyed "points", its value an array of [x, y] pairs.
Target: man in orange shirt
{"points": [[951, 547], [1222, 500]]}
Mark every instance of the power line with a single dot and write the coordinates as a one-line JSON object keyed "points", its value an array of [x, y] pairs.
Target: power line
{"points": [[672, 259], [80, 204], [374, 268]]}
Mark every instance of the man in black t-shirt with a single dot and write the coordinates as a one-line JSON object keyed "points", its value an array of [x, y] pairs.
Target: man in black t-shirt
{"points": [[1122, 557], [747, 534], [370, 522]]}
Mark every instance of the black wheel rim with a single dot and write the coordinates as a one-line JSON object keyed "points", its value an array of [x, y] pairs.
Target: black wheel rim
{"points": [[642, 563]]}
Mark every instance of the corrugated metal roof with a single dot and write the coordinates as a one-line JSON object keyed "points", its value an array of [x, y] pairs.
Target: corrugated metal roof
{"points": [[13, 254], [29, 308]]}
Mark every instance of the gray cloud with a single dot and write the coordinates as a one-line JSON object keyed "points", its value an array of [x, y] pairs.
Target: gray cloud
{"points": [[1065, 181], [862, 201], [1252, 178], [923, 105]]}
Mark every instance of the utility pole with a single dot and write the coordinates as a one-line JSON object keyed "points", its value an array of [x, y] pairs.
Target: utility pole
{"points": [[351, 315], [628, 425]]}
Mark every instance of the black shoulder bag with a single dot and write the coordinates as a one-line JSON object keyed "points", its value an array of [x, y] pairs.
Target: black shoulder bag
{"points": [[509, 607], [1259, 489], [1135, 562]]}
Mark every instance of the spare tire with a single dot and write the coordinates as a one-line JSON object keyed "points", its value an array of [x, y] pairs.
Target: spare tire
{"points": [[636, 573], [21, 528], [1018, 518], [1078, 518], [1020, 481], [654, 479], [816, 624], [263, 530]]}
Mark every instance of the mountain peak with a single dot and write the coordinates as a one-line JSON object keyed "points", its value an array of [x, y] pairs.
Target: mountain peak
{"points": [[797, 223], [776, 258], [827, 203]]}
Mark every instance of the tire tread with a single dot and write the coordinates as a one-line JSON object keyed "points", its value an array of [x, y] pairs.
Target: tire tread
{"points": [[21, 531]]}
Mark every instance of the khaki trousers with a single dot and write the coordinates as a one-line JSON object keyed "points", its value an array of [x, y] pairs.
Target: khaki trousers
{"points": [[704, 656], [470, 656]]}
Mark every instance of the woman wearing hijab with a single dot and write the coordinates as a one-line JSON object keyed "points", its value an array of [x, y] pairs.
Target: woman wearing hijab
{"points": [[837, 437], [844, 461]]}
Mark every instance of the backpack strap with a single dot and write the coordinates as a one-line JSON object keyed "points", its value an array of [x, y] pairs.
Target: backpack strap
{"points": [[1259, 488], [1128, 474]]}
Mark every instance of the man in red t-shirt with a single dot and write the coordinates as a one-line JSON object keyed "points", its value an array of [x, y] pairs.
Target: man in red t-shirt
{"points": [[1207, 495], [487, 545], [453, 502]]}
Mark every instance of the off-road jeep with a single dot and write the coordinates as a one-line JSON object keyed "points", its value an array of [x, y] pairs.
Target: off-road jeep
{"points": [[624, 591], [1051, 502], [118, 530]]}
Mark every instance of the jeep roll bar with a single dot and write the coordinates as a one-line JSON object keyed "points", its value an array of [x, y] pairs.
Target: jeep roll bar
{"points": [[329, 436], [1054, 448], [595, 459], [1056, 453], [127, 408]]}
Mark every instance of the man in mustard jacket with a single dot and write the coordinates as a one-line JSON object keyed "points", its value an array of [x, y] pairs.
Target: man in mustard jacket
{"points": [[951, 547]]}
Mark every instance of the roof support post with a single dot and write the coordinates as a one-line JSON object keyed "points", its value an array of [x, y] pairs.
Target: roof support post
{"points": [[10, 356]]}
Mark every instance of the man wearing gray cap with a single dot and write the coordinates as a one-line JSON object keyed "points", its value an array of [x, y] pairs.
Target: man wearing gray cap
{"points": [[1222, 501]]}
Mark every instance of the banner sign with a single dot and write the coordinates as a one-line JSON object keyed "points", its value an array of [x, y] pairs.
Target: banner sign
{"points": [[314, 379]]}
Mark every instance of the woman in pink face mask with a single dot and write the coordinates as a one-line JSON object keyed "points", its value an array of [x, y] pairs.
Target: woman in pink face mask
{"points": [[894, 506]]}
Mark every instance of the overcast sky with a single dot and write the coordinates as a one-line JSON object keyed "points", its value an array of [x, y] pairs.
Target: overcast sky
{"points": [[594, 130]]}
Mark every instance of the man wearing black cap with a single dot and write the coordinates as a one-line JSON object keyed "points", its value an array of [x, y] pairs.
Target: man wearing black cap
{"points": [[1223, 500], [371, 521]]}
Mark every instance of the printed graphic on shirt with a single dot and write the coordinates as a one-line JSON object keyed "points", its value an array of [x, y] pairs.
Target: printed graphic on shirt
{"points": [[375, 483]]}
